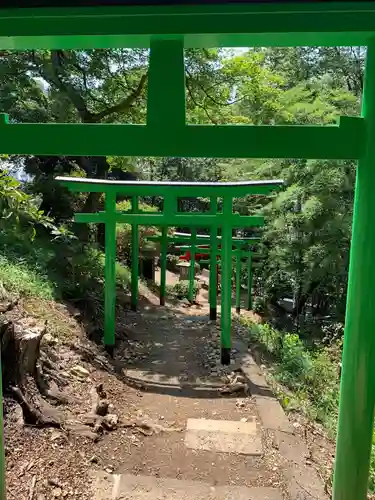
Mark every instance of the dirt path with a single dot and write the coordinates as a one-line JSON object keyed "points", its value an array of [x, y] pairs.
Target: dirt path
{"points": [[181, 382], [177, 438]]}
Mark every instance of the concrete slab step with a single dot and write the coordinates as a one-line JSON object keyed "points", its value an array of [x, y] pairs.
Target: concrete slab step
{"points": [[225, 436], [129, 487]]}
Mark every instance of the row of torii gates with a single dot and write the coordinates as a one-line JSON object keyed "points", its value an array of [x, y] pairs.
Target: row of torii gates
{"points": [[197, 250], [223, 219]]}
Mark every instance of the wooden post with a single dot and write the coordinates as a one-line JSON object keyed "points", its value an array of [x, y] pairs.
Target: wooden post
{"points": [[226, 281], [238, 254], [135, 258], [357, 389], [163, 264], [212, 290], [110, 269], [249, 281], [192, 264]]}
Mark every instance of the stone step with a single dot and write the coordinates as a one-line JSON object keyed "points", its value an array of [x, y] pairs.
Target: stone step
{"points": [[129, 487], [225, 436]]}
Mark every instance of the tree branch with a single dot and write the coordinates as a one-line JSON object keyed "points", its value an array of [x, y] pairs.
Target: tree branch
{"points": [[212, 98], [123, 105], [200, 106], [56, 75]]}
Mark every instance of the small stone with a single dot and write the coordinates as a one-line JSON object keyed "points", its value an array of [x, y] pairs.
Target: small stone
{"points": [[110, 421], [79, 372], [56, 492], [240, 403], [244, 419], [161, 417], [109, 470], [94, 459]]}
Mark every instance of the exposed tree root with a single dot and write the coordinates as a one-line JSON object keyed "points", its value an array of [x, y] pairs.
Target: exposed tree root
{"points": [[235, 383], [23, 374]]}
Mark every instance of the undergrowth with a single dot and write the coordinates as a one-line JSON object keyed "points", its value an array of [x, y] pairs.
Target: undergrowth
{"points": [[53, 269], [308, 378], [180, 290], [305, 379]]}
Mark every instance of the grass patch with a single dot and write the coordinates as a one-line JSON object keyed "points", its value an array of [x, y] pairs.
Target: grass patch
{"points": [[54, 269], [22, 279]]}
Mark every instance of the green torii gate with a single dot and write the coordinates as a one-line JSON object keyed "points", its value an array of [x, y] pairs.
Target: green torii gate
{"points": [[170, 216], [169, 29]]}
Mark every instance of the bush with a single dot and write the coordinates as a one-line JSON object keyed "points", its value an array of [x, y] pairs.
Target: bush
{"points": [[181, 289], [311, 375], [269, 338], [259, 305], [24, 280], [294, 358], [40, 259]]}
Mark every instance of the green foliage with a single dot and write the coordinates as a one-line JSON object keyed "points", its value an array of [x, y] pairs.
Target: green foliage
{"points": [[17, 207], [124, 232], [50, 268], [311, 375], [259, 305], [181, 289], [371, 483], [21, 278], [294, 359]]}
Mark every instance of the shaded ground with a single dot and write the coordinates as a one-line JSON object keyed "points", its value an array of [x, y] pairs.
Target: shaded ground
{"points": [[181, 382], [165, 371]]}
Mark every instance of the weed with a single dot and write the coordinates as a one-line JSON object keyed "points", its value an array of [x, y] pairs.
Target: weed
{"points": [[181, 289]]}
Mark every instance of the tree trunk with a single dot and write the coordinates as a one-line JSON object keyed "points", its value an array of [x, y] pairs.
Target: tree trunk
{"points": [[23, 365]]}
